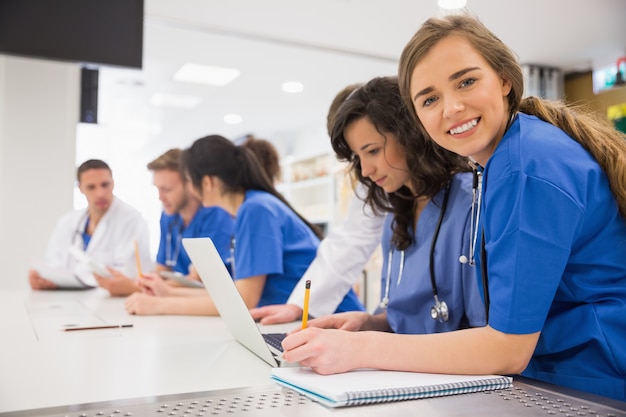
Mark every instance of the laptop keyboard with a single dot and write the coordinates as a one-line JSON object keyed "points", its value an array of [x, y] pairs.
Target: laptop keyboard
{"points": [[274, 340]]}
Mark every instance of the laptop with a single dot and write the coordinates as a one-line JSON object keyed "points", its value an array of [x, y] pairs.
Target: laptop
{"points": [[232, 309]]}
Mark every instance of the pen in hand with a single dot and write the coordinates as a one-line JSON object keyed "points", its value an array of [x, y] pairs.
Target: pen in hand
{"points": [[305, 310], [138, 259]]}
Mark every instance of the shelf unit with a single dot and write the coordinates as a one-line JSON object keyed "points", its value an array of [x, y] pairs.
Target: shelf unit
{"points": [[311, 185]]}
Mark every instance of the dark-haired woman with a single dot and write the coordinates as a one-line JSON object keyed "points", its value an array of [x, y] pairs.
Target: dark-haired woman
{"points": [[273, 244], [425, 289]]}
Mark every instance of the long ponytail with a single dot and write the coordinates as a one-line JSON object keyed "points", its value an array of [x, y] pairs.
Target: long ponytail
{"points": [[606, 144]]}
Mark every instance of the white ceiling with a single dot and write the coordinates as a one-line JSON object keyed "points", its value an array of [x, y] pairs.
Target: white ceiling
{"points": [[325, 44]]}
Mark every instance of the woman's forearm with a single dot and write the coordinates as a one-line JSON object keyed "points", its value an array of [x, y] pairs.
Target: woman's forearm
{"points": [[191, 306], [472, 351]]}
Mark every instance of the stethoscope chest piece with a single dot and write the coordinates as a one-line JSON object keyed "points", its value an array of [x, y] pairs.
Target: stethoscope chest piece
{"points": [[439, 311]]}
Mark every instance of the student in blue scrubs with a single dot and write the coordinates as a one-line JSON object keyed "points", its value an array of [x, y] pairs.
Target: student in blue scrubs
{"points": [[428, 201], [213, 222], [273, 244], [184, 216], [552, 217], [551, 243]]}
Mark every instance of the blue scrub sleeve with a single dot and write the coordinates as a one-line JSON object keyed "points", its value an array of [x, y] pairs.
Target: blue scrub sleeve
{"points": [[530, 226], [258, 242], [219, 227]]}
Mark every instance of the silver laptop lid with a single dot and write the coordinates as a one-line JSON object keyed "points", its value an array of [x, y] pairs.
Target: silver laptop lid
{"points": [[226, 297]]}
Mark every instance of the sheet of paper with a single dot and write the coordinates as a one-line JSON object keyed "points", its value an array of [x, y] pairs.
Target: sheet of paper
{"points": [[96, 268], [61, 277]]}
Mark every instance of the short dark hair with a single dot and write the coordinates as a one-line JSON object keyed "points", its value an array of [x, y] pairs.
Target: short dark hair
{"points": [[91, 164]]}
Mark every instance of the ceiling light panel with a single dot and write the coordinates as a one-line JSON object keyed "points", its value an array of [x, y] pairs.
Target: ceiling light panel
{"points": [[451, 4], [233, 119], [206, 74], [293, 87]]}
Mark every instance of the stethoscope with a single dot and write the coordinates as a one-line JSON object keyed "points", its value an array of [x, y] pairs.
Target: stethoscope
{"points": [[83, 223], [231, 259], [439, 311], [171, 257], [477, 191]]}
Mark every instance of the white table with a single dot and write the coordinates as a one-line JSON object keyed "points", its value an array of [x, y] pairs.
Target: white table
{"points": [[185, 360], [43, 366]]}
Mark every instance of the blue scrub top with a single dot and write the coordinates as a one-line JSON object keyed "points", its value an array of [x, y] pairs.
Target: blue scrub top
{"points": [[556, 257], [410, 300], [270, 239], [213, 222]]}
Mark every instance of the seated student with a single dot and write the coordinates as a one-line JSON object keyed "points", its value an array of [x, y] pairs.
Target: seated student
{"points": [[551, 235], [273, 244], [183, 216], [340, 257], [106, 230], [425, 289]]}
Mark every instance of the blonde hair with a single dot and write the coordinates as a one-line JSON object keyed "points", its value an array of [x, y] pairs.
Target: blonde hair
{"points": [[169, 161], [605, 143]]}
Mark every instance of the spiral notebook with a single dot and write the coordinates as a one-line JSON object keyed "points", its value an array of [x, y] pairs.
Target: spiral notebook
{"points": [[366, 386]]}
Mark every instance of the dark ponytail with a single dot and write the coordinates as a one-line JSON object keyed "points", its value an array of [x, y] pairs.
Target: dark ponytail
{"points": [[237, 167]]}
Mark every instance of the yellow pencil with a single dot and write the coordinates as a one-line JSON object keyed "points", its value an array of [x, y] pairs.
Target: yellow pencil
{"points": [[305, 310], [138, 259]]}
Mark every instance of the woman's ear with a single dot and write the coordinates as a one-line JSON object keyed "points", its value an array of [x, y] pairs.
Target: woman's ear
{"points": [[211, 183], [506, 86], [208, 183]]}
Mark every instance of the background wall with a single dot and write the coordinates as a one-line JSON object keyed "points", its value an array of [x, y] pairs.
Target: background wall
{"points": [[39, 110], [579, 90]]}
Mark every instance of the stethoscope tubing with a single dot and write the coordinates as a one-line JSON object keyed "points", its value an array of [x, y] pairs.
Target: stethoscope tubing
{"points": [[439, 305], [172, 258]]}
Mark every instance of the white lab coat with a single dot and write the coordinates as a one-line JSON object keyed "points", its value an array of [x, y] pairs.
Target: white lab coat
{"points": [[340, 259], [112, 244]]}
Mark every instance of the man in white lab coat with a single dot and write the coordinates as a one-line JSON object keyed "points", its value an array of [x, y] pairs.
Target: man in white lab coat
{"points": [[107, 230]]}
